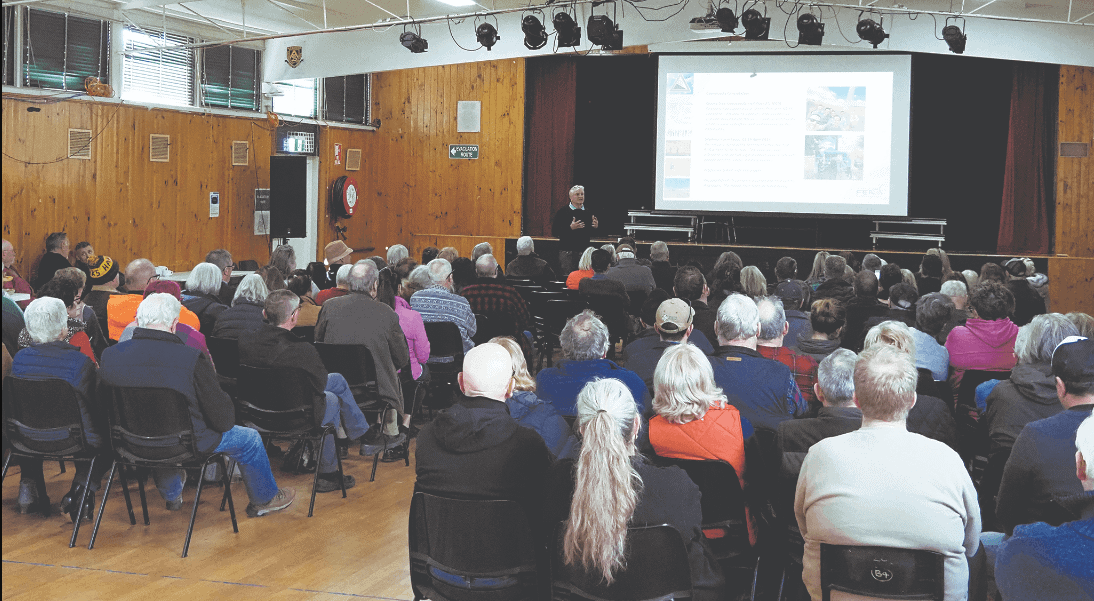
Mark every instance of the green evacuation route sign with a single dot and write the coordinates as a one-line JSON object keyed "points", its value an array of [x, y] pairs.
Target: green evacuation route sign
{"points": [[463, 151]]}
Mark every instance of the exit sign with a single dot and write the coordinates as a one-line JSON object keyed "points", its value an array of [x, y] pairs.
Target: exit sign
{"points": [[463, 151]]}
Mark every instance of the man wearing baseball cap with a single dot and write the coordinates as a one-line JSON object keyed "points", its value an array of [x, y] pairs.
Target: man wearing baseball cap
{"points": [[1040, 470], [673, 325]]}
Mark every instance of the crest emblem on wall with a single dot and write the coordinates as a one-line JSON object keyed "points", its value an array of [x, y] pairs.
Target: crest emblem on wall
{"points": [[294, 55]]}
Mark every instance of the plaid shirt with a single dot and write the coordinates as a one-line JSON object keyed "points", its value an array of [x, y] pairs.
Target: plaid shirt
{"points": [[802, 367], [498, 299]]}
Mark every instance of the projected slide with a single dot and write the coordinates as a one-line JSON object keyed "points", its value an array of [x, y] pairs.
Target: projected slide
{"points": [[789, 135]]}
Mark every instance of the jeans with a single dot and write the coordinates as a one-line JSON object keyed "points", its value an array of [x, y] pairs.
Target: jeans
{"points": [[243, 445], [340, 407]]}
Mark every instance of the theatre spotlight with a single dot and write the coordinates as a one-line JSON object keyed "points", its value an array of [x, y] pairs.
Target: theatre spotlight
{"points": [[569, 34], [604, 33], [756, 25], [810, 30], [955, 38], [487, 35], [869, 30], [726, 19], [535, 34], [413, 42]]}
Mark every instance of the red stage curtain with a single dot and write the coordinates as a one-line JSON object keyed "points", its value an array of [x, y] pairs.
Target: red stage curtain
{"points": [[1028, 180], [550, 113]]}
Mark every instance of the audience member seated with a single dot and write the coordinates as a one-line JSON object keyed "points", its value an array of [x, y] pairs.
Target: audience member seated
{"points": [[448, 253], [336, 254], [429, 253], [929, 277], [863, 306], [200, 296], [584, 342], [308, 313], [56, 257], [959, 295], [601, 288], [753, 282], [986, 341], [75, 333], [358, 318], [664, 272], [1038, 473], [648, 335], [339, 286], [888, 276], [272, 276], [274, 345], [1084, 322], [475, 449], [82, 255], [872, 263], [532, 412], [13, 325], [725, 278], [74, 279], [246, 312], [691, 287], [480, 249], [121, 310], [932, 313], [104, 280], [393, 290], [284, 259], [836, 285], [930, 416], [673, 326], [972, 278], [528, 265], [12, 279], [786, 270], [827, 318], [438, 303], [907, 277], [763, 388], [770, 344], [1044, 562], [1027, 302], [992, 272], [1039, 282], [902, 300], [495, 299], [463, 274], [882, 485], [793, 294], [51, 357], [156, 357], [610, 248], [223, 260], [634, 277], [584, 269], [611, 486], [816, 274], [396, 253], [630, 241], [190, 335]]}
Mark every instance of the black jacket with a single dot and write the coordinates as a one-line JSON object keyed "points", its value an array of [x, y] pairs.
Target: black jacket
{"points": [[837, 288], [817, 349], [245, 316], [664, 274], [793, 439], [207, 307], [859, 310], [531, 267], [271, 346], [569, 239], [933, 418]]}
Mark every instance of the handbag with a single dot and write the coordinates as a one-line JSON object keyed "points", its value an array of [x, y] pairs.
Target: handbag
{"points": [[301, 458]]}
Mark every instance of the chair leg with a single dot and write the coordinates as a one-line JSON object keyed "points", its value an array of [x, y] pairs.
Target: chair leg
{"points": [[62, 464], [102, 506], [80, 507], [194, 512], [144, 499], [341, 473], [227, 494], [315, 479], [7, 462], [125, 493], [228, 491]]}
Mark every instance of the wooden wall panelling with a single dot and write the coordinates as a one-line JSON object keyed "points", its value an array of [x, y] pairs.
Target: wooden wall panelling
{"points": [[328, 172], [1075, 176], [1071, 284]]}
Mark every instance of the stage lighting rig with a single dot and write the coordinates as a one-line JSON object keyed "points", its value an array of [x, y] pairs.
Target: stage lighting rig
{"points": [[487, 35], [756, 25], [413, 42], [535, 34], [726, 19], [569, 34], [810, 30], [871, 31], [604, 33], [955, 37]]}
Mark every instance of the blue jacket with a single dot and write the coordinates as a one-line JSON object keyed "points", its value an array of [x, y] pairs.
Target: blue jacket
{"points": [[766, 392], [61, 360], [529, 411], [560, 385], [1043, 562], [245, 316]]}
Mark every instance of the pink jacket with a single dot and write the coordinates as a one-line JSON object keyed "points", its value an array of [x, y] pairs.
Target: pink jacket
{"points": [[982, 344], [414, 330]]}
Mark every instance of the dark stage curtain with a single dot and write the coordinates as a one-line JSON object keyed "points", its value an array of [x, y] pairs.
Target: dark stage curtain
{"points": [[550, 124], [1028, 189]]}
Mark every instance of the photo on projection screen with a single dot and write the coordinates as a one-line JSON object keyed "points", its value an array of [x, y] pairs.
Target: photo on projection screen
{"points": [[805, 133]]}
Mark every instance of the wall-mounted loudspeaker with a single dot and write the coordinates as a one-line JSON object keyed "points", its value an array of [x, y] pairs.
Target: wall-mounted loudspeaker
{"points": [[288, 196]]}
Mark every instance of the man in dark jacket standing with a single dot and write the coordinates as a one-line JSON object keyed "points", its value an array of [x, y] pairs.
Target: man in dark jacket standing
{"points": [[155, 357], [573, 225]]}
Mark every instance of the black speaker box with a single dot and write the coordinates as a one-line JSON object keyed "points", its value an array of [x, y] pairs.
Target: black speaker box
{"points": [[288, 196]]}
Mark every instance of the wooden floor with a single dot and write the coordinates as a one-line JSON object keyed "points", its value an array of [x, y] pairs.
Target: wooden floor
{"points": [[352, 548]]}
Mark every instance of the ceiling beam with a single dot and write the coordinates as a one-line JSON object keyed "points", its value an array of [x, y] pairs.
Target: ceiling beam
{"points": [[135, 4]]}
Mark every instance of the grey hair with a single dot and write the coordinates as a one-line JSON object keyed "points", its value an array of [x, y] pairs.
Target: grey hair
{"points": [[219, 257], [252, 288], [204, 279], [772, 317], [576, 188], [953, 288], [362, 277], [396, 253], [659, 251], [738, 318], [1037, 339], [342, 275], [584, 338], [836, 377], [525, 245], [439, 269], [486, 266], [46, 319], [586, 262], [932, 312], [871, 262], [159, 309], [284, 258], [972, 277], [611, 250], [420, 277], [482, 248]]}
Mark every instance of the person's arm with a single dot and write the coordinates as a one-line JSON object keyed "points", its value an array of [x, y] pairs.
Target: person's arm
{"points": [[795, 404], [421, 341], [321, 325], [972, 506], [470, 326], [216, 405], [397, 345]]}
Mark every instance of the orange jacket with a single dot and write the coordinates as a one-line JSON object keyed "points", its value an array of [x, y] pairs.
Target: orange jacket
{"points": [[716, 436], [121, 310]]}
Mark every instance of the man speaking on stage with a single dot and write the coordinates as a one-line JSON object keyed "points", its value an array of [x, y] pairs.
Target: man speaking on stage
{"points": [[573, 226]]}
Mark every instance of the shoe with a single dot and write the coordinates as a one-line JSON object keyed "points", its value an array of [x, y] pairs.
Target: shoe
{"points": [[411, 431], [175, 505], [373, 436], [72, 499], [384, 444], [398, 453], [29, 501], [343, 447], [284, 497], [329, 482]]}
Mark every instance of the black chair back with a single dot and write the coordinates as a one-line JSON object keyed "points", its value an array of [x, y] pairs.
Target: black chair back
{"points": [[247, 265], [42, 417], [657, 569], [638, 298], [526, 291], [723, 505], [444, 339], [470, 550], [881, 572], [491, 326], [974, 439], [513, 281], [354, 362], [538, 302], [151, 425], [555, 285], [305, 332], [275, 399], [225, 353], [611, 312]]}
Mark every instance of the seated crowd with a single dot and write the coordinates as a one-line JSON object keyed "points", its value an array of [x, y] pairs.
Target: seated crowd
{"points": [[842, 402]]}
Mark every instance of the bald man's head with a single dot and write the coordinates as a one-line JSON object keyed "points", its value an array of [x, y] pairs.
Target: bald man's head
{"points": [[138, 273], [487, 372]]}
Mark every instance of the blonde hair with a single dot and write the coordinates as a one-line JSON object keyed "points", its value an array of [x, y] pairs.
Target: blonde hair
{"points": [[817, 274], [606, 485], [522, 379], [753, 281], [893, 333], [946, 269], [909, 278], [683, 385], [586, 262]]}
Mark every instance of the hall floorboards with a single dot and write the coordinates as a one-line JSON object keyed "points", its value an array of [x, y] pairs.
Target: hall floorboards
{"points": [[352, 548]]}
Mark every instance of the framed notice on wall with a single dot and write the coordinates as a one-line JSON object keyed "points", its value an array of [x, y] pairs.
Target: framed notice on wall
{"points": [[262, 211]]}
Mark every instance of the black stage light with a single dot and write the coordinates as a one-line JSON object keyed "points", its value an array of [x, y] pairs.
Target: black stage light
{"points": [[756, 25], [487, 35], [869, 30], [535, 34], [569, 34], [810, 30], [604, 33], [955, 38], [726, 19], [413, 42]]}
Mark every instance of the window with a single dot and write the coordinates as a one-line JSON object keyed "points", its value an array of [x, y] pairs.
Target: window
{"points": [[164, 75], [346, 98], [297, 97], [9, 45], [230, 78], [61, 50]]}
